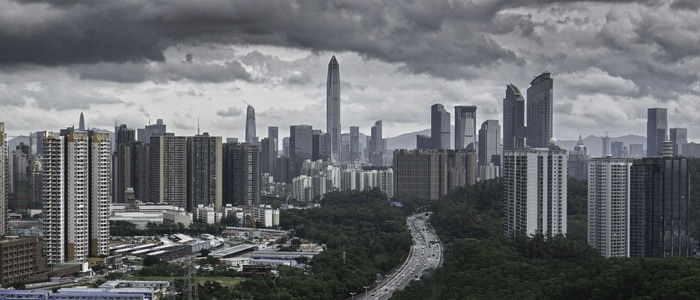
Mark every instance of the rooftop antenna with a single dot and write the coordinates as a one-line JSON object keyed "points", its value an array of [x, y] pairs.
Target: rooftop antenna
{"points": [[246, 103], [197, 125]]}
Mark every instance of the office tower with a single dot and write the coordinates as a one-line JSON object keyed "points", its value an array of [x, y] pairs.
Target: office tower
{"points": [[514, 130], [424, 142], [123, 162], [539, 111], [141, 160], [608, 205], [300, 148], [285, 146], [678, 136], [535, 183], [320, 146], [250, 136], [168, 170], [77, 191], [465, 128], [145, 134], [637, 151], [355, 143], [273, 133], [20, 184], [606, 147], [376, 145], [660, 207], [657, 126], [333, 108], [439, 127], [618, 150], [241, 174], [204, 167], [432, 173], [81, 122], [268, 159], [3, 175], [490, 152], [578, 161]]}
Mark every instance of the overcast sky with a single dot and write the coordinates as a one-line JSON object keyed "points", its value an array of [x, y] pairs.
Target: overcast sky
{"points": [[135, 61]]}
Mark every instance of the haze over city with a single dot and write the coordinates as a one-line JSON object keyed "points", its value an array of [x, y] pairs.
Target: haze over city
{"points": [[181, 61]]}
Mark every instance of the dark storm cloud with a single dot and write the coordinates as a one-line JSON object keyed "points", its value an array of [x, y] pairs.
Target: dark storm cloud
{"points": [[685, 5]]}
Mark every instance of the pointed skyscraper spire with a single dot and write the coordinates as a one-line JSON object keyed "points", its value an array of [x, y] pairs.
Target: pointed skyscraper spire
{"points": [[81, 123]]}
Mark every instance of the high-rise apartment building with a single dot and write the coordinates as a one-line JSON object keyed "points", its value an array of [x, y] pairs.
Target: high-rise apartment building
{"points": [[168, 170], [432, 173], [678, 136], [250, 135], [514, 131], [657, 130], [241, 174], [465, 128], [608, 205], [439, 127], [157, 129], [77, 191], [535, 183], [333, 108], [4, 183], [490, 152], [540, 96], [660, 207], [204, 171], [300, 148]]}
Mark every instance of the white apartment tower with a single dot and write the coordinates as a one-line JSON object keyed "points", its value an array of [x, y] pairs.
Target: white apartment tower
{"points": [[76, 194], [535, 182], [608, 205]]}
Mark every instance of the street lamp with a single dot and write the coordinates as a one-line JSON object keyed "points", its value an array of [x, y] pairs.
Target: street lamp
{"points": [[366, 287], [353, 295]]}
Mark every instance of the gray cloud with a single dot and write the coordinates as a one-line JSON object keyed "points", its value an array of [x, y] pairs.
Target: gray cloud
{"points": [[230, 112]]}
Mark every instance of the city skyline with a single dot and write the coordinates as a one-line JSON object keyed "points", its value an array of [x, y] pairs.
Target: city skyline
{"points": [[611, 62]]}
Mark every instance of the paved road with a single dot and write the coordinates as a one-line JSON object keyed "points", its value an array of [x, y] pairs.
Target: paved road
{"points": [[425, 253]]}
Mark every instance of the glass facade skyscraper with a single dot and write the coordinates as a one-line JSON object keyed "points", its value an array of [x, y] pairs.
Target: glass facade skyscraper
{"points": [[439, 127], [465, 128], [539, 111], [657, 127], [513, 119], [333, 107]]}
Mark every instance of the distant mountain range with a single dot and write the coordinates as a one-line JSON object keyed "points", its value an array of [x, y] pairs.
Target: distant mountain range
{"points": [[594, 144]]}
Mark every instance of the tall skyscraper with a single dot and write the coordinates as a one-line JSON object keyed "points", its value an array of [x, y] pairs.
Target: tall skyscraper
{"points": [[657, 130], [76, 192], [273, 133], [490, 152], [637, 151], [660, 207], [19, 173], [606, 146], [376, 145], [168, 170], [241, 174], [678, 136], [204, 171], [158, 129], [333, 107], [514, 131], [465, 128], [81, 122], [540, 96], [578, 161], [355, 143], [268, 158], [123, 162], [250, 135], [535, 183], [608, 205], [320, 146], [300, 148], [439, 127]]}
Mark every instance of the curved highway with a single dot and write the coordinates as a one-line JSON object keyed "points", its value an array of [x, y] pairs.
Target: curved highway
{"points": [[425, 253]]}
